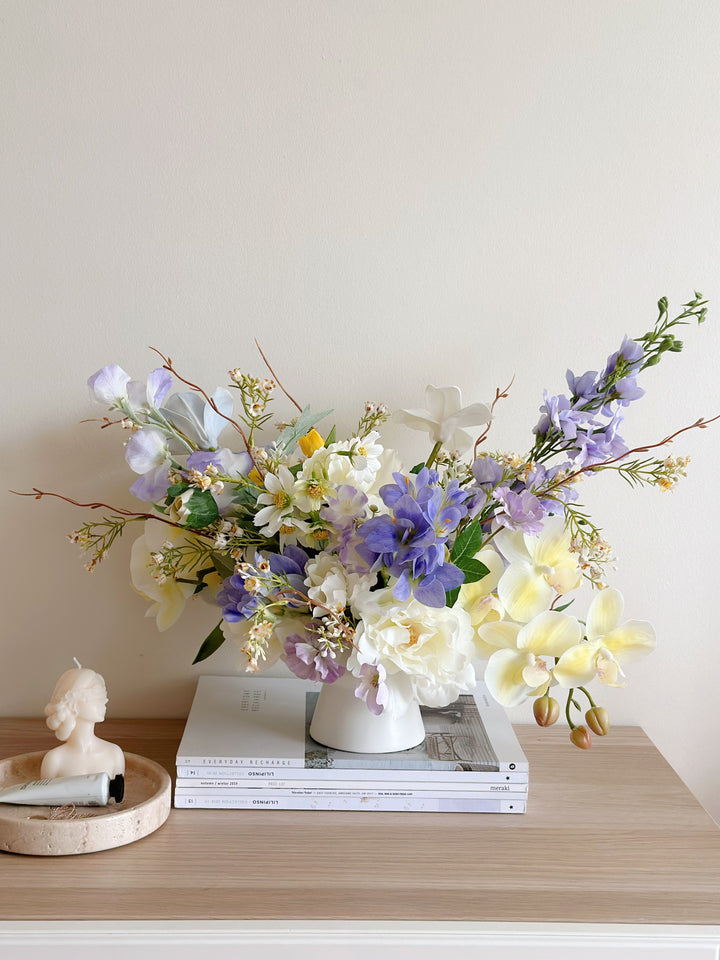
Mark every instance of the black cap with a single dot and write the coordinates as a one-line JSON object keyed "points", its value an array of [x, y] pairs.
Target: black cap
{"points": [[116, 788]]}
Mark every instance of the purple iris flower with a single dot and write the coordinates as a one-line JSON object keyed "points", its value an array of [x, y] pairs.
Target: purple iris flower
{"points": [[310, 659]]}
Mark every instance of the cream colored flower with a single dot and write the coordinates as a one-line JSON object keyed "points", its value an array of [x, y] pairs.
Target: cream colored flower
{"points": [[539, 568], [609, 644], [517, 668], [168, 596], [479, 600], [277, 502], [426, 652]]}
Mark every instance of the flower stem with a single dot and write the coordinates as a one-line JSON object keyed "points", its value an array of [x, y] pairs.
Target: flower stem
{"points": [[433, 454]]}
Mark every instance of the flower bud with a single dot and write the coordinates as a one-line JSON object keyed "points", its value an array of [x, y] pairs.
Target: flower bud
{"points": [[598, 720], [546, 711], [311, 442], [581, 737]]}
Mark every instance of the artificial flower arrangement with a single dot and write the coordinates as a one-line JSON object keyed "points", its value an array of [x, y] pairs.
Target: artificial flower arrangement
{"points": [[330, 554]]}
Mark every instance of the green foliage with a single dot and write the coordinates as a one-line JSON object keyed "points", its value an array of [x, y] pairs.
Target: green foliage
{"points": [[210, 644]]}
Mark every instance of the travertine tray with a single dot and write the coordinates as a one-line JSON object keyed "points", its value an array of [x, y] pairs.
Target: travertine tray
{"points": [[29, 830]]}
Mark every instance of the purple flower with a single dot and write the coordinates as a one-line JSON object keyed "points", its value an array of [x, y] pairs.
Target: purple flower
{"points": [[236, 602], [229, 463], [345, 508], [311, 658], [372, 687], [109, 385], [149, 395], [520, 511]]}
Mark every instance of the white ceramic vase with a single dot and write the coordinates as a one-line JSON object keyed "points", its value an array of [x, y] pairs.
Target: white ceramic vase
{"points": [[343, 722]]}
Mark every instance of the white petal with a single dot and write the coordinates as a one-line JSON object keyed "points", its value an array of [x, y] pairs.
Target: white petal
{"points": [[443, 402], [552, 546], [511, 544], [499, 634], [604, 613], [550, 633], [577, 665], [631, 640], [503, 676], [523, 592]]}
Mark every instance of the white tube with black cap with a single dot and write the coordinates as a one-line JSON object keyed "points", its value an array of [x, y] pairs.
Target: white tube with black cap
{"points": [[88, 790]]}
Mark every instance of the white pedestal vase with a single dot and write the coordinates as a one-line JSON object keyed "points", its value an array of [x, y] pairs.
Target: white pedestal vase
{"points": [[343, 722]]}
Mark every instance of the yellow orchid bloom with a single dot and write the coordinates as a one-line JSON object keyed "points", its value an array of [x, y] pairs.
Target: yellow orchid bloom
{"points": [[539, 568], [608, 644], [517, 668]]}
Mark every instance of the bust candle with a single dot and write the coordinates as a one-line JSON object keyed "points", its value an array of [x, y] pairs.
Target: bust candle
{"points": [[77, 704]]}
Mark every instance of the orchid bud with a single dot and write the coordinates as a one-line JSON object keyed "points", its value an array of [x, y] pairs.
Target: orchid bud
{"points": [[598, 720], [581, 737], [546, 711]]}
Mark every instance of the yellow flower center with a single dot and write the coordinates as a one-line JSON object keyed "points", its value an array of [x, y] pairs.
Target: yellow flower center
{"points": [[280, 498]]}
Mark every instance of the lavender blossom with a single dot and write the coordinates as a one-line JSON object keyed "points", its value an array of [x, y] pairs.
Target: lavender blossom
{"points": [[311, 657], [372, 687]]}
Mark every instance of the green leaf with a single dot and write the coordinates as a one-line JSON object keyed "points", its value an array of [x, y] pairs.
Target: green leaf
{"points": [[175, 491], [564, 606], [467, 544], [224, 565], [331, 437], [304, 424], [212, 642], [418, 467], [451, 596], [203, 510], [474, 570]]}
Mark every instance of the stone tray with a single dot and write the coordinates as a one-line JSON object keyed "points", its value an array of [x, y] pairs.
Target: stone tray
{"points": [[30, 830]]}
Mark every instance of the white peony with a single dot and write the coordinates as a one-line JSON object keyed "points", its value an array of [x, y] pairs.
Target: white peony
{"points": [[332, 586], [427, 653]]}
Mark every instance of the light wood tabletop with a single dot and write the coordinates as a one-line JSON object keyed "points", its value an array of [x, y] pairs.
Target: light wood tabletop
{"points": [[611, 835]]}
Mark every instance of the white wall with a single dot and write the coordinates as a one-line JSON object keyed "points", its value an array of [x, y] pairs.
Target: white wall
{"points": [[386, 194]]}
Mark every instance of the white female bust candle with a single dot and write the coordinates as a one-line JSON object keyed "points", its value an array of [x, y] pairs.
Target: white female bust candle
{"points": [[77, 704]]}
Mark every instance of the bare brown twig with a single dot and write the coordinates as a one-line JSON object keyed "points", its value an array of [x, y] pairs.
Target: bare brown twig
{"points": [[168, 365], [267, 364], [499, 395]]}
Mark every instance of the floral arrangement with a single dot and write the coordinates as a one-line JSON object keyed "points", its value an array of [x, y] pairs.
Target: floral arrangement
{"points": [[330, 554]]}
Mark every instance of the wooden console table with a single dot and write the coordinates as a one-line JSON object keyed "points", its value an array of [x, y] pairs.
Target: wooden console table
{"points": [[613, 850]]}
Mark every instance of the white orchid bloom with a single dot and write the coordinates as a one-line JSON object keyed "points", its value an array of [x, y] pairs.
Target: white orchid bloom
{"points": [[517, 668], [479, 600], [539, 568], [445, 417], [608, 644]]}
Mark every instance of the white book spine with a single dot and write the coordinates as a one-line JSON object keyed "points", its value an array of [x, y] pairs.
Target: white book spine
{"points": [[188, 785], [390, 804], [331, 775]]}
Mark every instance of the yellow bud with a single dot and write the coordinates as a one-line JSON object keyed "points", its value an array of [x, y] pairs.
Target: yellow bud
{"points": [[311, 442], [546, 711], [581, 737], [256, 477], [598, 720]]}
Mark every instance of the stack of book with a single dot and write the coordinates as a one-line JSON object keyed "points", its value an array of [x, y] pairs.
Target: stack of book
{"points": [[246, 745]]}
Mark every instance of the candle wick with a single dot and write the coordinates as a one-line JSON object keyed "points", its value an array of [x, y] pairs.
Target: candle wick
{"points": [[77, 663]]}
